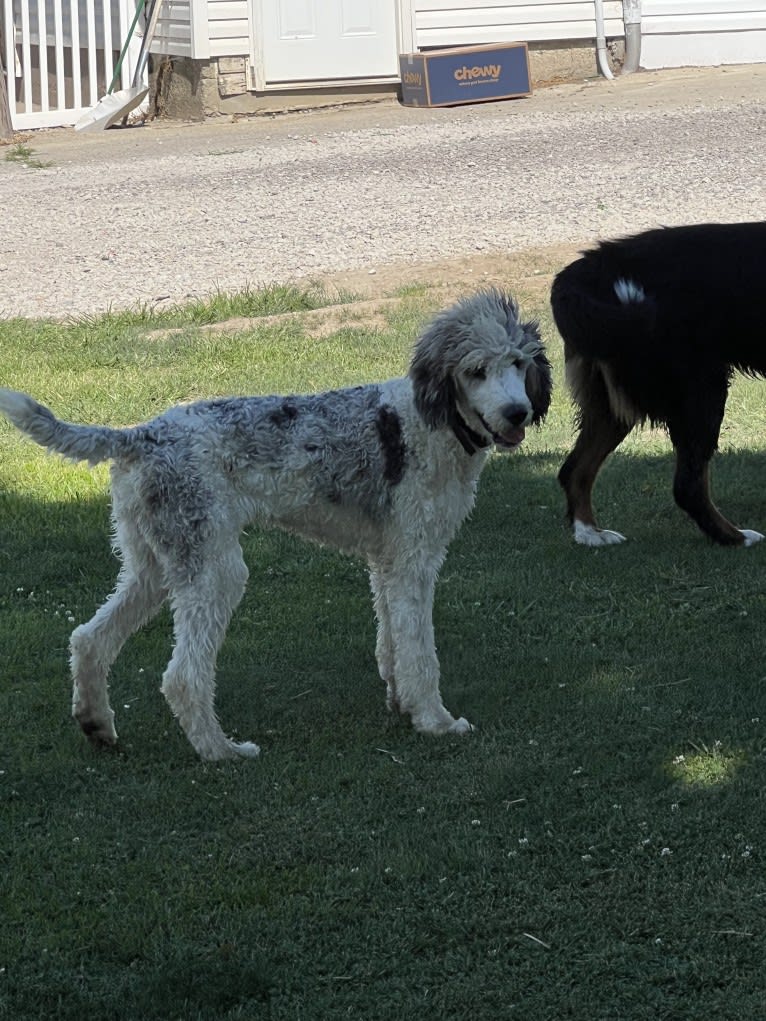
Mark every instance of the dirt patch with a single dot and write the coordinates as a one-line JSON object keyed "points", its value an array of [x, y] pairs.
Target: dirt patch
{"points": [[527, 275], [318, 322], [529, 272]]}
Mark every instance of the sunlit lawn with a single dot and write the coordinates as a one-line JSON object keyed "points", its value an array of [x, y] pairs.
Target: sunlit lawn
{"points": [[595, 851]]}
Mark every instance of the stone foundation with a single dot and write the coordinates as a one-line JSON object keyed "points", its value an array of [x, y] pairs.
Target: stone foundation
{"points": [[194, 90]]}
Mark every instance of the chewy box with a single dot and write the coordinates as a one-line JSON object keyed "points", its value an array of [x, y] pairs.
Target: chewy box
{"points": [[470, 74]]}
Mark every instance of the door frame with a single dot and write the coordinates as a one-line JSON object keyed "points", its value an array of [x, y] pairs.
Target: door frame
{"points": [[404, 13]]}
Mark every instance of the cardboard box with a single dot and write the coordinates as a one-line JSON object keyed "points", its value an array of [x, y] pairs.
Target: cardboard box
{"points": [[469, 74]]}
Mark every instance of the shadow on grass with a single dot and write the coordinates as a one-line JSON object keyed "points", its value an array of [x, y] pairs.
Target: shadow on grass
{"points": [[517, 600], [667, 622], [188, 983], [617, 775], [56, 560], [637, 488]]}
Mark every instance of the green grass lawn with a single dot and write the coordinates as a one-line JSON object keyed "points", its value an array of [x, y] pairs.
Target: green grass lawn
{"points": [[595, 851]]}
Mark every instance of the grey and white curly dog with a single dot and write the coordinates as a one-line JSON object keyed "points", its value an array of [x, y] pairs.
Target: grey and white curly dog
{"points": [[387, 471]]}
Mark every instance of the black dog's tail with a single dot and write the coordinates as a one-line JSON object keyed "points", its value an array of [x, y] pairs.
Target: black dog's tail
{"points": [[599, 314]]}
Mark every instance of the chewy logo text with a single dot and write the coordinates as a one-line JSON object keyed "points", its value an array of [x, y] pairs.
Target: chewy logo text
{"points": [[412, 78], [487, 71]]}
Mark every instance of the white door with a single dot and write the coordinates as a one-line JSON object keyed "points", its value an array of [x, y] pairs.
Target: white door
{"points": [[311, 40]]}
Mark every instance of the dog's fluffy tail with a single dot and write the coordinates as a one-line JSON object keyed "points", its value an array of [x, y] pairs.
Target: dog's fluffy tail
{"points": [[77, 442], [598, 315]]}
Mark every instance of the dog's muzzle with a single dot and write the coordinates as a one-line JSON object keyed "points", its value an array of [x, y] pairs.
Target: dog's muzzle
{"points": [[517, 417]]}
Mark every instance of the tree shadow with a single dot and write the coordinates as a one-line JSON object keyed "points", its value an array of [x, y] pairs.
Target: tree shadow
{"points": [[634, 489], [523, 615]]}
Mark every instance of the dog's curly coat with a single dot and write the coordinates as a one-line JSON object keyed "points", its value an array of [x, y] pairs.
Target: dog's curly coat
{"points": [[387, 471]]}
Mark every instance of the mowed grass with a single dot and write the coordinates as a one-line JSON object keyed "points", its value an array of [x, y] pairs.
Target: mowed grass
{"points": [[594, 851]]}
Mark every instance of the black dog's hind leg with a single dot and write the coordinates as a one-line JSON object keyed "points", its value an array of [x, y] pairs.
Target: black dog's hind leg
{"points": [[694, 433], [600, 433]]}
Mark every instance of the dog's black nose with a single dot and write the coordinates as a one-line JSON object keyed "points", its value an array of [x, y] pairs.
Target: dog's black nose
{"points": [[516, 414]]}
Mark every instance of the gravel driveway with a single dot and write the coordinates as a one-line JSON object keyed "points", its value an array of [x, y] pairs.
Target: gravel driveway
{"points": [[166, 212]]}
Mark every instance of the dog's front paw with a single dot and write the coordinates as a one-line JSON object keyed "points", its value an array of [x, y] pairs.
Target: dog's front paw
{"points": [[98, 730], [447, 725], [246, 749], [461, 726], [589, 535], [751, 537], [234, 750], [220, 748]]}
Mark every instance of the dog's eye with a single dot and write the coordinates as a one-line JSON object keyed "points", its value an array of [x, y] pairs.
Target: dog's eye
{"points": [[478, 373]]}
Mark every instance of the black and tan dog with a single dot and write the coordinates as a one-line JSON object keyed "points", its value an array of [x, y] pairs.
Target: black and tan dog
{"points": [[654, 325]]}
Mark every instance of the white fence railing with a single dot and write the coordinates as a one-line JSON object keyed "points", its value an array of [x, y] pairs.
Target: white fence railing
{"points": [[60, 56]]}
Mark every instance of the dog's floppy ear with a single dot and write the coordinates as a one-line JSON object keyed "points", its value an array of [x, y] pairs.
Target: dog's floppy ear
{"points": [[432, 384], [539, 378]]}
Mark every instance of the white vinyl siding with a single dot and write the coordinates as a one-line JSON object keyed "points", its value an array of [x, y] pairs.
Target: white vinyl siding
{"points": [[702, 32], [702, 15], [458, 23], [182, 29], [229, 27], [675, 32]]}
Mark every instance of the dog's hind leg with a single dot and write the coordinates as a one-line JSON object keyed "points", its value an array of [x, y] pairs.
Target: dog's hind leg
{"points": [[695, 438], [94, 646], [409, 593], [601, 432], [384, 645], [202, 608]]}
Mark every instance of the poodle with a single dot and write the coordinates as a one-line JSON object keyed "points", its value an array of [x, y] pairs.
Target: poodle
{"points": [[386, 471]]}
